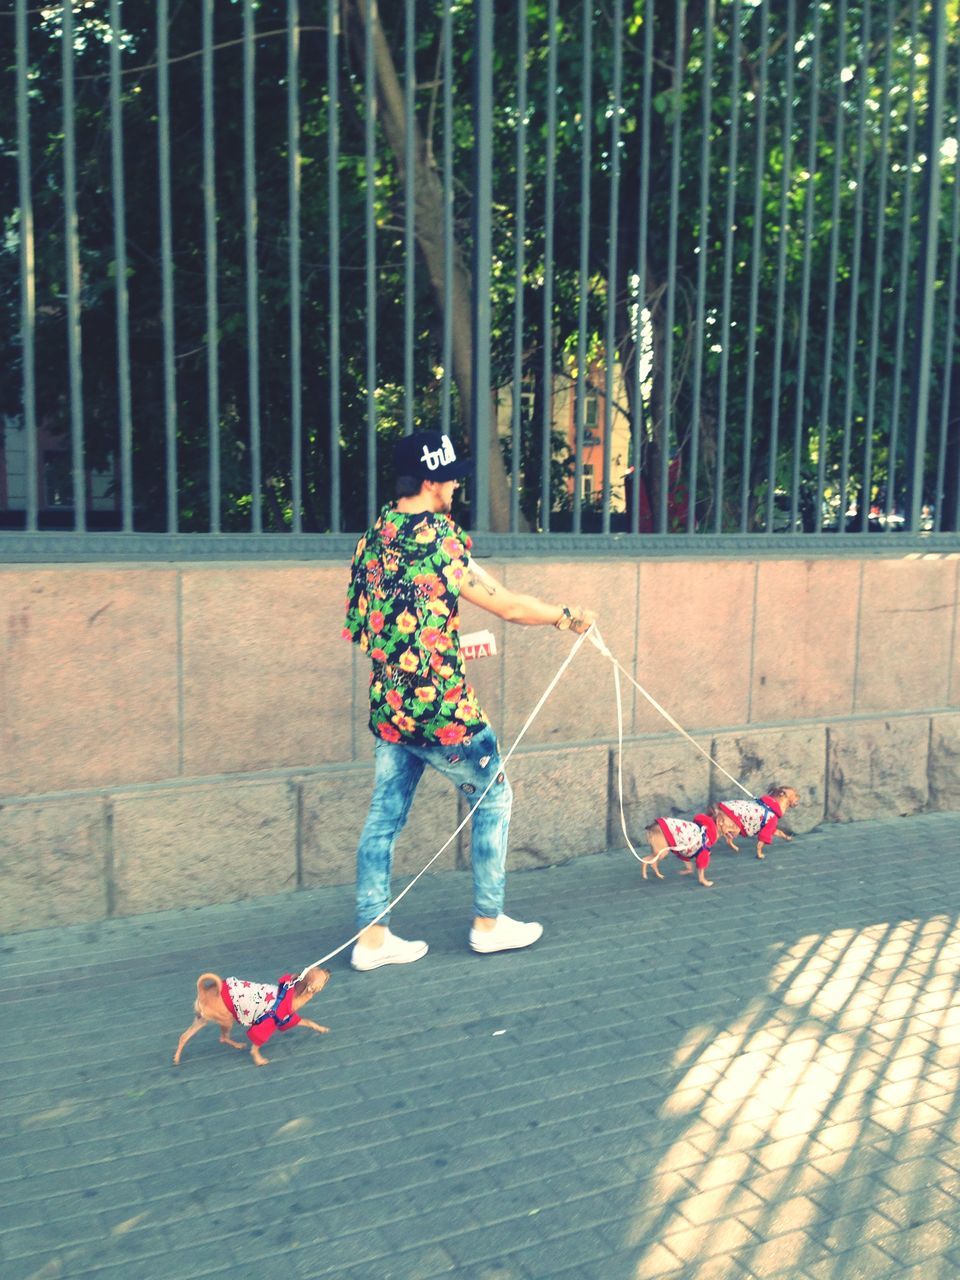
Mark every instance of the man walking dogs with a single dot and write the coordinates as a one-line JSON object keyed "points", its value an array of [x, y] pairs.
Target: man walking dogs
{"points": [[408, 574]]}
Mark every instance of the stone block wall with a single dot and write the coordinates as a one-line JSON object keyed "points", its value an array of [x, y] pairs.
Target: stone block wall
{"points": [[173, 735]]}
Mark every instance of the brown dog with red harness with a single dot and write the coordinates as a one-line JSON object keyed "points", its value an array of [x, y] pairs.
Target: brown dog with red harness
{"points": [[758, 818], [692, 842], [261, 1009]]}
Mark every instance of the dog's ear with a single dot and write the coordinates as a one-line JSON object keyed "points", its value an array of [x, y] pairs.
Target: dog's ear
{"points": [[313, 980]]}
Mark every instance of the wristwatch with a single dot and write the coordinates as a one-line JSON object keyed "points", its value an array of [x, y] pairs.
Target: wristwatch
{"points": [[565, 621]]}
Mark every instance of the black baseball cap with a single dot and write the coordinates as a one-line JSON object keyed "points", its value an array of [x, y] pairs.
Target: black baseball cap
{"points": [[428, 455]]}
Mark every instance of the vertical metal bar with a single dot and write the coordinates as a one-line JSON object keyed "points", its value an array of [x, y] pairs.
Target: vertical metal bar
{"points": [[333, 224], [811, 170], [786, 177], [875, 309], [905, 274], [951, 333], [516, 429], [863, 72], [613, 274], [120, 267], [250, 237], [760, 159], [927, 267], [72, 245], [370, 227], [28, 281], [409, 219], [637, 419], [166, 263], [583, 284], [832, 270], [676, 106], [706, 99], [546, 451], [482, 257], [729, 232], [447, 337], [293, 180], [210, 255]]}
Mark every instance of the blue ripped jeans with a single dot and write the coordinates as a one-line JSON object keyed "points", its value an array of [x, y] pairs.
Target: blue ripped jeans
{"points": [[398, 768]]}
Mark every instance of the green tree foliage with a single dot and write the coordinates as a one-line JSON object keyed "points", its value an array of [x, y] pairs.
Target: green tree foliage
{"points": [[828, 190]]}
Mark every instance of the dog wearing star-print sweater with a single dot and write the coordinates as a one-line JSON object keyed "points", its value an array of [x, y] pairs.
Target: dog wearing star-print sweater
{"points": [[690, 839], [260, 1008], [759, 818]]}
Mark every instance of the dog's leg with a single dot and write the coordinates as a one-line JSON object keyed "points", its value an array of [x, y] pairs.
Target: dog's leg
{"points": [[729, 840], [760, 854], [257, 1056], [782, 835], [312, 1026], [226, 1025], [654, 864], [702, 877], [658, 852], [190, 1032]]}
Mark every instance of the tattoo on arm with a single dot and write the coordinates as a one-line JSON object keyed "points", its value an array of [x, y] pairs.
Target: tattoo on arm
{"points": [[476, 578]]}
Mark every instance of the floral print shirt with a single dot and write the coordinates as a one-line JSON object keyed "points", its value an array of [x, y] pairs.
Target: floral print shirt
{"points": [[403, 610]]}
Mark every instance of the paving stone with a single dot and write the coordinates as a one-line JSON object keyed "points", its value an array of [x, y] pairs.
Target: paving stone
{"points": [[914, 1175], [708, 1206], [931, 1269], [411, 1264], [918, 1207], [847, 1231], [651, 1263], [691, 1244], [795, 1213], [504, 1270], [864, 1263], [791, 1250], [914, 1244]]}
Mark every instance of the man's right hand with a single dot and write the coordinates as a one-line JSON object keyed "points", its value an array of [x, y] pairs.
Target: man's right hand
{"points": [[582, 620]]}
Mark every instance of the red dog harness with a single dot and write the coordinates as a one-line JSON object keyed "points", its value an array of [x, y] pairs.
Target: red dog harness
{"points": [[690, 841], [261, 1008]]}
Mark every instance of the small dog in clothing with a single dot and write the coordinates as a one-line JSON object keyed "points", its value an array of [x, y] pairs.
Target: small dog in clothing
{"points": [[258, 1007], [691, 841], [758, 817]]}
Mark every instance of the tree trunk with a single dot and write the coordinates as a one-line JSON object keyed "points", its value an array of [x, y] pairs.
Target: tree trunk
{"points": [[428, 220]]}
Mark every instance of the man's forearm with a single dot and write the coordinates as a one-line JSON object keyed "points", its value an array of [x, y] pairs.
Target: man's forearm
{"points": [[529, 611], [482, 589]]}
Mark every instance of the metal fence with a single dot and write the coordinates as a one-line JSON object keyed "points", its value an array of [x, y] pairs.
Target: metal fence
{"points": [[676, 268]]}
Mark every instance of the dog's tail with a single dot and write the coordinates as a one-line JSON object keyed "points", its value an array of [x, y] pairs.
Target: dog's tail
{"points": [[209, 983]]}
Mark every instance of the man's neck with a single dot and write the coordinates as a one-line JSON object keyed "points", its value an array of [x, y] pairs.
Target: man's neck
{"points": [[413, 506]]}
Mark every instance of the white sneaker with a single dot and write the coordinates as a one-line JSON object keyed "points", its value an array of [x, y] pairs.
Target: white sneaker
{"points": [[393, 950], [506, 935]]}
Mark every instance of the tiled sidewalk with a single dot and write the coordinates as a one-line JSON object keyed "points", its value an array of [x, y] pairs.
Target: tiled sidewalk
{"points": [[759, 1079]]}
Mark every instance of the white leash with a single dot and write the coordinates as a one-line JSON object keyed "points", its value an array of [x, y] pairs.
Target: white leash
{"points": [[598, 642], [530, 719], [618, 667]]}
